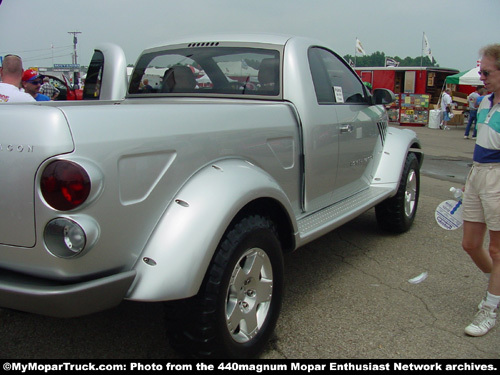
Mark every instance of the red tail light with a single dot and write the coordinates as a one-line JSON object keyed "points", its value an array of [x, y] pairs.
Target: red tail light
{"points": [[65, 185]]}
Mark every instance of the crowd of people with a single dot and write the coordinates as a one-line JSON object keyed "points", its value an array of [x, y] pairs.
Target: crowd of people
{"points": [[473, 101], [18, 85], [481, 199]]}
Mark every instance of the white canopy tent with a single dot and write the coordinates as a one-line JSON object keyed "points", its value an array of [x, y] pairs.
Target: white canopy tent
{"points": [[469, 77]]}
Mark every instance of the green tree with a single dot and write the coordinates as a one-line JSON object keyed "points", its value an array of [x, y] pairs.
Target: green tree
{"points": [[378, 59]]}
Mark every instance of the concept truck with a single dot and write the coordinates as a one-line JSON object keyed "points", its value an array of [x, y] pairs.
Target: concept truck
{"points": [[188, 181]]}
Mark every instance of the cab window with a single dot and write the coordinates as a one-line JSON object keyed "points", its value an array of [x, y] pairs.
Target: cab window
{"points": [[333, 81], [208, 70], [92, 88]]}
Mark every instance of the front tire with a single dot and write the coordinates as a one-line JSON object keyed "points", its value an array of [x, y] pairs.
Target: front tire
{"points": [[397, 213], [237, 307]]}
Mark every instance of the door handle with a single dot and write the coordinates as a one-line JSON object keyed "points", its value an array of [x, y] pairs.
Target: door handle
{"points": [[346, 128]]}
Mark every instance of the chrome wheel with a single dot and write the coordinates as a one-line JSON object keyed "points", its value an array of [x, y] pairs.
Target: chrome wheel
{"points": [[249, 295], [411, 193]]}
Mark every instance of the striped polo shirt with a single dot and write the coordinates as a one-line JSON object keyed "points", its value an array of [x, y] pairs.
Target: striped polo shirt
{"points": [[487, 148]]}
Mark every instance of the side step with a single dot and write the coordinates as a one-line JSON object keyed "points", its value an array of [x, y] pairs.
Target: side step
{"points": [[318, 223]]}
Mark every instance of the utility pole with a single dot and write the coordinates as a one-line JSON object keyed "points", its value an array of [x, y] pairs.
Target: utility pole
{"points": [[75, 41], [76, 75]]}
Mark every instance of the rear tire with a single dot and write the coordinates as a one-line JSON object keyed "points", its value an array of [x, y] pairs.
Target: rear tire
{"points": [[397, 213], [237, 307]]}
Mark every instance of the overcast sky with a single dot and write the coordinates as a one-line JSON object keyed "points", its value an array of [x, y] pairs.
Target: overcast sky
{"points": [[37, 30]]}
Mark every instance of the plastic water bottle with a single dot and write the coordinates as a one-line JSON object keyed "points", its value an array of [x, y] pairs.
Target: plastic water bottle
{"points": [[457, 192]]}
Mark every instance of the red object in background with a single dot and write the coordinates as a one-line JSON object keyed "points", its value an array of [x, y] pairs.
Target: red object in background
{"points": [[73, 94], [466, 89], [412, 80], [76, 94]]}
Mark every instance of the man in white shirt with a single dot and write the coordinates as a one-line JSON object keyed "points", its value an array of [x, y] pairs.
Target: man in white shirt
{"points": [[11, 73], [446, 108]]}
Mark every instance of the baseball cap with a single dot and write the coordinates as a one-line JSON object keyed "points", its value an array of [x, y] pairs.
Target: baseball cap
{"points": [[30, 75]]}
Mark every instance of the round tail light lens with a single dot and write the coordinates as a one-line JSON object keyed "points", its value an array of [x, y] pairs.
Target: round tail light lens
{"points": [[65, 185]]}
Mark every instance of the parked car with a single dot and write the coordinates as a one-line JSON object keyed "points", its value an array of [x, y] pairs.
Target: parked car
{"points": [[66, 90], [192, 195]]}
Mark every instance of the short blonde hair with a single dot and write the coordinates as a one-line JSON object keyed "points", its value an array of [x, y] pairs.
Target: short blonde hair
{"points": [[492, 51]]}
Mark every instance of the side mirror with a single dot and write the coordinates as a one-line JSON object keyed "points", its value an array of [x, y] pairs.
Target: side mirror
{"points": [[383, 96]]}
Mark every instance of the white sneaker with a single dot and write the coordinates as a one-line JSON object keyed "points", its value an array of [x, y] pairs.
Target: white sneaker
{"points": [[484, 320]]}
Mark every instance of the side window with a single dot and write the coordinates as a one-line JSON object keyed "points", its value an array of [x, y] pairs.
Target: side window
{"points": [[333, 81], [92, 87], [321, 81]]}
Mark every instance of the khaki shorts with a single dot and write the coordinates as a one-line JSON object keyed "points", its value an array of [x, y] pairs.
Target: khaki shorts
{"points": [[481, 200]]}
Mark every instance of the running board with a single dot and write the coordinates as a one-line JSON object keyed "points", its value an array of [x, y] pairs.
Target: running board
{"points": [[317, 224]]}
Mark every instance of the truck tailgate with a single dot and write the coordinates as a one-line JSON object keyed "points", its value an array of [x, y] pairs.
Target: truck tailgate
{"points": [[29, 134]]}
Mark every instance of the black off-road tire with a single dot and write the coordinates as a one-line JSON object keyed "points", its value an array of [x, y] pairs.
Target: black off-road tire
{"points": [[199, 326], [397, 213]]}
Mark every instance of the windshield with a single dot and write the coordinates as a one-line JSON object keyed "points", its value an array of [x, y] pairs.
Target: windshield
{"points": [[208, 70]]}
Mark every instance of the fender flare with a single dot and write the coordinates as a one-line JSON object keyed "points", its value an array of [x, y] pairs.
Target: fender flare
{"points": [[175, 259], [398, 143]]}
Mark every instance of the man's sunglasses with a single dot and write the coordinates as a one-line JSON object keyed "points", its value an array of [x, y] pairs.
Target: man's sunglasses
{"points": [[35, 82], [485, 73]]}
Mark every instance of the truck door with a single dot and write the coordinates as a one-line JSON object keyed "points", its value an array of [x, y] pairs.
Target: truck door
{"points": [[345, 96]]}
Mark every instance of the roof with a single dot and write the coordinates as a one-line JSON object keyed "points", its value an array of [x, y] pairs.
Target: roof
{"points": [[404, 68], [231, 38], [469, 77]]}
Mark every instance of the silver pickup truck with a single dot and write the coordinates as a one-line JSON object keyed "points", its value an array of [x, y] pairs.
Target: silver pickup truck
{"points": [[189, 181]]}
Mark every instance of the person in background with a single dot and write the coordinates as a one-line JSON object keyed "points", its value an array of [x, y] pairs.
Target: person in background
{"points": [[11, 73], [481, 200], [48, 89], [32, 82], [472, 104], [482, 93], [445, 108], [147, 88]]}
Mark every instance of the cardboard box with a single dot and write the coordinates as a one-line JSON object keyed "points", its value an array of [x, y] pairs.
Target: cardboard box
{"points": [[458, 118], [459, 100]]}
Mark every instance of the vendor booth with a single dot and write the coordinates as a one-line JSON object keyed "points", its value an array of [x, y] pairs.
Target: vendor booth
{"points": [[462, 84], [466, 81], [417, 90], [469, 77]]}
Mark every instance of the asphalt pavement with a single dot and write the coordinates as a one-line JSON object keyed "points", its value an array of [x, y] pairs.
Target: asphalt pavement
{"points": [[348, 294], [448, 156]]}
